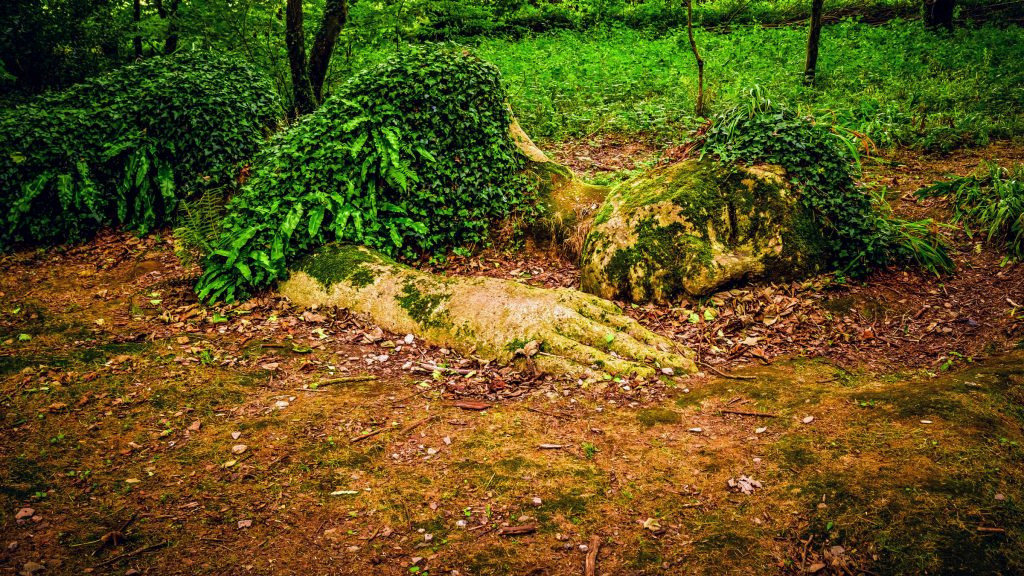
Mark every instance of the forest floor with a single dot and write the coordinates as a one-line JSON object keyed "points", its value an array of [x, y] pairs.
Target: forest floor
{"points": [[868, 428]]}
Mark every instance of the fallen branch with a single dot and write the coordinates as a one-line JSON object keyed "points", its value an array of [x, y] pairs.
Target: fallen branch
{"points": [[362, 437], [744, 413], [517, 530], [729, 376], [347, 380], [590, 568], [413, 426], [142, 550], [471, 405]]}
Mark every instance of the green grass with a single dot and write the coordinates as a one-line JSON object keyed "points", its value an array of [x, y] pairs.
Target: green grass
{"points": [[896, 83]]}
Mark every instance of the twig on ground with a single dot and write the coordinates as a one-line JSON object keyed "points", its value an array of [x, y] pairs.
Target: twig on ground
{"points": [[729, 376], [745, 413], [590, 568], [142, 550]]}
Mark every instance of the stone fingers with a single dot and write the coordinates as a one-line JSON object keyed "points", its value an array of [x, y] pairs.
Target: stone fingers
{"points": [[585, 355]]}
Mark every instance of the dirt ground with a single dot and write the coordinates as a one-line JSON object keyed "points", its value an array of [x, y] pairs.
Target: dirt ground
{"points": [[868, 428]]}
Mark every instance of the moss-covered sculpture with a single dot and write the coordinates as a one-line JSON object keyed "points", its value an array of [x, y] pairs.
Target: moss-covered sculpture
{"points": [[563, 331], [695, 226]]}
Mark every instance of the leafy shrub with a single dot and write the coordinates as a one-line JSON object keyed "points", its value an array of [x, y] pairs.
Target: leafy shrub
{"points": [[123, 148], [862, 233], [411, 156], [991, 205]]}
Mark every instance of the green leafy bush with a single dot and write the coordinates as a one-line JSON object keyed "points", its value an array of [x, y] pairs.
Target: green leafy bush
{"points": [[408, 157], [123, 148], [862, 233], [991, 205]]}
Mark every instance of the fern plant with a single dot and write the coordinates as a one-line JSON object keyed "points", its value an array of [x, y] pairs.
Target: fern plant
{"points": [[410, 157]]}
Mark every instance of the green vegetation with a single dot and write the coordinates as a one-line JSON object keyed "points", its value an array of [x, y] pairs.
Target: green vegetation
{"points": [[991, 205], [895, 84], [861, 237], [408, 157], [124, 148]]}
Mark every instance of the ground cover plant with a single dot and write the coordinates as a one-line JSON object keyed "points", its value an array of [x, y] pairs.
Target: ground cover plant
{"points": [[408, 157], [990, 206], [124, 148], [897, 84]]}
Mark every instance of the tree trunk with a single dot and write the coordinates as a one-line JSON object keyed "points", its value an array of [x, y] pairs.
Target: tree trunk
{"points": [[295, 40], [335, 16], [171, 43], [699, 109], [812, 42], [939, 13], [136, 18]]}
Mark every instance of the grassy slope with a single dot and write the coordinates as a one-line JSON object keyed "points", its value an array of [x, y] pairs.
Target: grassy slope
{"points": [[887, 81]]}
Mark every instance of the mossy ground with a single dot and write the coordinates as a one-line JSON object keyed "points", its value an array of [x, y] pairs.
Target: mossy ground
{"points": [[100, 431], [99, 404]]}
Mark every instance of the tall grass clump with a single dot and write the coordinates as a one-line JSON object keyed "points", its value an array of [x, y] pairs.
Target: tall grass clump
{"points": [[990, 205]]}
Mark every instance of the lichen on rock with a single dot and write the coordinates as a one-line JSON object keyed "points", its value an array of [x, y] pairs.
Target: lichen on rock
{"points": [[695, 226]]}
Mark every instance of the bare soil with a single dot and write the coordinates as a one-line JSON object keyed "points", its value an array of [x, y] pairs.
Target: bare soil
{"points": [[877, 427]]}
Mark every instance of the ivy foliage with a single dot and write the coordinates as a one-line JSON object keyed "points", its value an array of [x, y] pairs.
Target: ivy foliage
{"points": [[410, 157], [860, 230], [125, 147]]}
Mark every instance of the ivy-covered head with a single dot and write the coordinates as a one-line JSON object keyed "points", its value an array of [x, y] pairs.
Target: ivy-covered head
{"points": [[861, 231], [409, 157], [123, 148]]}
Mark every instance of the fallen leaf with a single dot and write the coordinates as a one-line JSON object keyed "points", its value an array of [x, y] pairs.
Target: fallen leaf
{"points": [[239, 448]]}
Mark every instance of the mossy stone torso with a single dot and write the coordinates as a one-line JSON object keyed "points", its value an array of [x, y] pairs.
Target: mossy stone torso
{"points": [[696, 226]]}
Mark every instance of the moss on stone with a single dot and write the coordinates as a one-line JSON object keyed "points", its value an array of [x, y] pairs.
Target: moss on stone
{"points": [[694, 226], [425, 307], [342, 263]]}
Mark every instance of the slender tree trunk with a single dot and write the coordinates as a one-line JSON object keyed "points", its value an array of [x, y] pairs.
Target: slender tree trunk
{"points": [[699, 109], [295, 40], [171, 43], [812, 42], [137, 18], [939, 13], [335, 16]]}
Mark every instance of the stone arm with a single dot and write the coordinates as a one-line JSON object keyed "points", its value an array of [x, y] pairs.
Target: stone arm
{"points": [[563, 331]]}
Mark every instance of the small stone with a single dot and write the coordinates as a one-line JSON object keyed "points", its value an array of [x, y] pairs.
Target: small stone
{"points": [[236, 435], [32, 567], [536, 501], [761, 430], [428, 537], [281, 404], [696, 430], [409, 339], [461, 523], [447, 441], [808, 419], [668, 371], [239, 448], [243, 524], [1000, 497], [431, 451], [584, 548], [352, 549]]}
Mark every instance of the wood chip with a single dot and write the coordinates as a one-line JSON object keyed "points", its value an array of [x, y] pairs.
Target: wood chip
{"points": [[517, 530]]}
